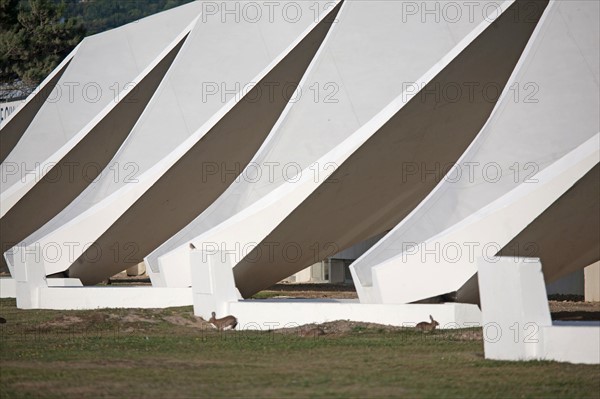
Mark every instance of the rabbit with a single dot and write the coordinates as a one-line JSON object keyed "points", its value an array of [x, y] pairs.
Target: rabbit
{"points": [[226, 323], [424, 326]]}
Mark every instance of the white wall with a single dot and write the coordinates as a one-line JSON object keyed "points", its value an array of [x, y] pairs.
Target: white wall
{"points": [[8, 108], [592, 283]]}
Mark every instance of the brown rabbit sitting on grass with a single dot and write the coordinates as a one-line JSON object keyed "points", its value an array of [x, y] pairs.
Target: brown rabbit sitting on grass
{"points": [[226, 323], [424, 326]]}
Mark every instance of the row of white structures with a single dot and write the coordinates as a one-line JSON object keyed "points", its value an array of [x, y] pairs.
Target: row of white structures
{"points": [[284, 132]]}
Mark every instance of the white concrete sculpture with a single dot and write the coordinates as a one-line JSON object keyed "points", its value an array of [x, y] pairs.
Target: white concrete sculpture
{"points": [[186, 128], [363, 94], [67, 137], [516, 316], [550, 107], [451, 255], [213, 286], [15, 123], [369, 193], [8, 287], [34, 291], [262, 145], [214, 290]]}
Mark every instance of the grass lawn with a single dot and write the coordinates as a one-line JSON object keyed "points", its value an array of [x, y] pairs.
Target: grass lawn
{"points": [[169, 353]]}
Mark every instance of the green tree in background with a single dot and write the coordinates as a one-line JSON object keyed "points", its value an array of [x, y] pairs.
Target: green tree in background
{"points": [[36, 35], [34, 38], [101, 15], [8, 12]]}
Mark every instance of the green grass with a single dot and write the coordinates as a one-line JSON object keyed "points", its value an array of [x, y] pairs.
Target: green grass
{"points": [[46, 354]]}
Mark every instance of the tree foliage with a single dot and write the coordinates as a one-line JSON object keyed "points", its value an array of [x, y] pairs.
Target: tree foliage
{"points": [[36, 35], [34, 38], [101, 15]]}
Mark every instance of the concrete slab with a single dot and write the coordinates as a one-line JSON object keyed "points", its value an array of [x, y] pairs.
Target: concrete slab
{"points": [[8, 287], [516, 317], [283, 313], [553, 90], [82, 298]]}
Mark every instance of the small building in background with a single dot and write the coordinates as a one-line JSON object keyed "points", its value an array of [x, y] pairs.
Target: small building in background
{"points": [[335, 270]]}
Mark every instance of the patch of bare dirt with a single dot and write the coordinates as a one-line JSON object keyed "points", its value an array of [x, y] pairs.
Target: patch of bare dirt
{"points": [[574, 311], [572, 306], [561, 310], [134, 318], [344, 327], [475, 334], [317, 294], [179, 320], [62, 321], [339, 327], [311, 291]]}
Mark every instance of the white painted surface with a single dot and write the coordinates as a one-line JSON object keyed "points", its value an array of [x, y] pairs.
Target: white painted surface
{"points": [[73, 298], [246, 52], [137, 270], [592, 283], [34, 95], [525, 134], [156, 278], [514, 306], [371, 92], [214, 290], [213, 286], [35, 291], [516, 317], [175, 275], [8, 287], [445, 262], [104, 68], [63, 282], [573, 344], [31, 280], [303, 276]]}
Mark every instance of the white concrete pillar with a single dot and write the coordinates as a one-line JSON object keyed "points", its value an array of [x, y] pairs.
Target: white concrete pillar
{"points": [[592, 282], [514, 307], [8, 287], [137, 270], [516, 316], [213, 285]]}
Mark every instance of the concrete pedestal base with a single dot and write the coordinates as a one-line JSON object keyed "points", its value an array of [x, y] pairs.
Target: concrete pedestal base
{"points": [[35, 291], [81, 298], [8, 287], [214, 291], [285, 313], [516, 317], [592, 282]]}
